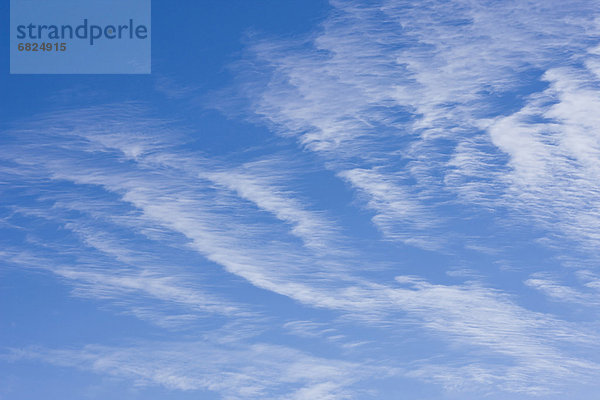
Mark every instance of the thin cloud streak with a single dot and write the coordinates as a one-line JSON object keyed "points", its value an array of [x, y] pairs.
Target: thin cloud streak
{"points": [[252, 371]]}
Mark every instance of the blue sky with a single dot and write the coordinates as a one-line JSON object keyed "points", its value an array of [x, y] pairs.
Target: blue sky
{"points": [[310, 200]]}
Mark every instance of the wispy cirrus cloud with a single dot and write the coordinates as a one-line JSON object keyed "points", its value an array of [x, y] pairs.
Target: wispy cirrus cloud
{"points": [[424, 112], [554, 150], [259, 185], [200, 210], [584, 293], [252, 371], [404, 94]]}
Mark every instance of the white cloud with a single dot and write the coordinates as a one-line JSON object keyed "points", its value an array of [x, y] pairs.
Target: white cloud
{"points": [[554, 148], [583, 294], [224, 228], [251, 371], [403, 91], [418, 107]]}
